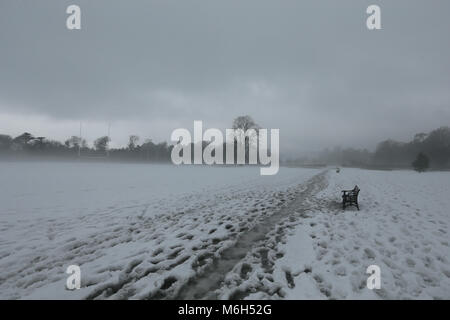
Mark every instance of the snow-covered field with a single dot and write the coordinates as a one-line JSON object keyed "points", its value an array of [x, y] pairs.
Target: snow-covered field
{"points": [[402, 227], [162, 232], [133, 229]]}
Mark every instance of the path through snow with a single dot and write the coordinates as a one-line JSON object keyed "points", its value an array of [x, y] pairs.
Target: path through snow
{"points": [[403, 227]]}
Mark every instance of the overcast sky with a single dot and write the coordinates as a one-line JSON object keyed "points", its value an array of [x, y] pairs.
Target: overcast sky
{"points": [[310, 68]]}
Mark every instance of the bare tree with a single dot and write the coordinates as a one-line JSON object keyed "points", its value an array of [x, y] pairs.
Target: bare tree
{"points": [[75, 142], [245, 123], [132, 142], [101, 144], [24, 138]]}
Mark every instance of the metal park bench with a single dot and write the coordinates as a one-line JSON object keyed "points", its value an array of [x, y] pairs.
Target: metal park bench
{"points": [[350, 197]]}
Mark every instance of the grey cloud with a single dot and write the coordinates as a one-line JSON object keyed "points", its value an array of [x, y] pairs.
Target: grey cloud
{"points": [[310, 68]]}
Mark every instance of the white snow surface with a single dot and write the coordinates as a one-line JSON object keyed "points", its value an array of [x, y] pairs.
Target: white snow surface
{"points": [[402, 227], [131, 228], [164, 232]]}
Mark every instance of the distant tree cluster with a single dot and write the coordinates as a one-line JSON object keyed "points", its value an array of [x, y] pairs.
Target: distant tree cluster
{"points": [[27, 145], [424, 151], [435, 146]]}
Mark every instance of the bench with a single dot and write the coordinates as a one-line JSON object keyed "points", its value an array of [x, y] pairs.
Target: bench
{"points": [[350, 197]]}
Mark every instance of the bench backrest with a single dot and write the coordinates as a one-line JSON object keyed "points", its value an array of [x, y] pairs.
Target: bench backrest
{"points": [[354, 192]]}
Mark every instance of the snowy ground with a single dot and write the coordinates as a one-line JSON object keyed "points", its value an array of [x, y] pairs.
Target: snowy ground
{"points": [[133, 229], [402, 226], [162, 232]]}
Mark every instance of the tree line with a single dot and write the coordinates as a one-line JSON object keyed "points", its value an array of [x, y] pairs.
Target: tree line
{"points": [[425, 150], [28, 145]]}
